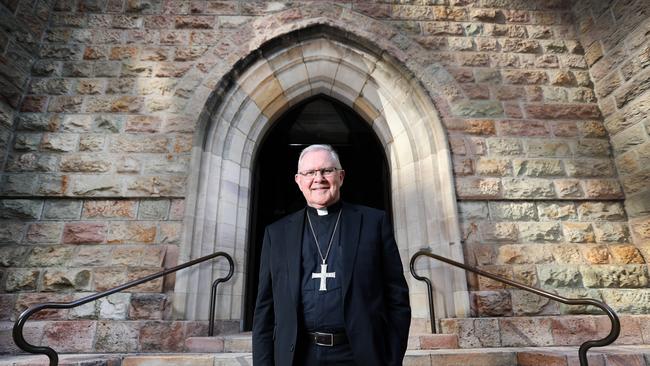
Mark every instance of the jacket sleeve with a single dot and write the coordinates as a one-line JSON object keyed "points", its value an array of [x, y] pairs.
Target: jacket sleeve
{"points": [[264, 316], [398, 308]]}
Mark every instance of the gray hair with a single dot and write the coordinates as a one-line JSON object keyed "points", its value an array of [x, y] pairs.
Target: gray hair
{"points": [[321, 147]]}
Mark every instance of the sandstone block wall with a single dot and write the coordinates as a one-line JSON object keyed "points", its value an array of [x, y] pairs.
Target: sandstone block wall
{"points": [[23, 25], [98, 126], [616, 38]]}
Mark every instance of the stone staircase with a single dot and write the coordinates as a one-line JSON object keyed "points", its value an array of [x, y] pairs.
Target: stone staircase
{"points": [[517, 341], [518, 356], [428, 349]]}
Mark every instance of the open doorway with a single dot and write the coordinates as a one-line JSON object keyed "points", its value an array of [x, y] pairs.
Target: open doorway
{"points": [[321, 120]]}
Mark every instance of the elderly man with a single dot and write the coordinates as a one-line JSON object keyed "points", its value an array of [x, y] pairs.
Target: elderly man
{"points": [[331, 285]]}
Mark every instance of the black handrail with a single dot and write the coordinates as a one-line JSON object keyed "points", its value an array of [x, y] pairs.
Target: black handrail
{"points": [[213, 294], [582, 352], [432, 311], [19, 339]]}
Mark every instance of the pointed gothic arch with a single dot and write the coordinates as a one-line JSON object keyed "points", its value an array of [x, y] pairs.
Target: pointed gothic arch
{"points": [[320, 60]]}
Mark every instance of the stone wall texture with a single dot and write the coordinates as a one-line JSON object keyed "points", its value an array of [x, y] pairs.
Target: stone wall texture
{"points": [[545, 103], [22, 26], [616, 36]]}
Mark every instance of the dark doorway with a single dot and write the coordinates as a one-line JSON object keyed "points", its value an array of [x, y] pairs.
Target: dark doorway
{"points": [[318, 120]]}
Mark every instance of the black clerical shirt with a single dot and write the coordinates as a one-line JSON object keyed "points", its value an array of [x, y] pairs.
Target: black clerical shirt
{"points": [[322, 310]]}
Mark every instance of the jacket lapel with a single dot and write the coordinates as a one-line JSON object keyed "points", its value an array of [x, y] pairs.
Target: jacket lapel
{"points": [[293, 235], [350, 231]]}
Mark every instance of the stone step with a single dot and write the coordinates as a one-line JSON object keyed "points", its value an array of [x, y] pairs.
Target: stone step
{"points": [[233, 343], [432, 341], [64, 360], [242, 342], [519, 356], [220, 359]]}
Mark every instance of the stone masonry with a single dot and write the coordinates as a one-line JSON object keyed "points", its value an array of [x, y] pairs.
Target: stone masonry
{"points": [[544, 104], [617, 51]]}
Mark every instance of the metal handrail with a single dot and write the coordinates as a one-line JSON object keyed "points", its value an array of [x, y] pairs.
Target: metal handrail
{"points": [[213, 294], [582, 352], [20, 341]]}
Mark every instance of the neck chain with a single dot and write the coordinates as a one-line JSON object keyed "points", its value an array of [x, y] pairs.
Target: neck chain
{"points": [[329, 246]]}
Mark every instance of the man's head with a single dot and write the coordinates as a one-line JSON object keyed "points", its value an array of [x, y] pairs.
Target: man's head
{"points": [[320, 175]]}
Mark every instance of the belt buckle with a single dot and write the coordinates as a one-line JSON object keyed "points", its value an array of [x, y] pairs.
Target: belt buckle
{"points": [[320, 336]]}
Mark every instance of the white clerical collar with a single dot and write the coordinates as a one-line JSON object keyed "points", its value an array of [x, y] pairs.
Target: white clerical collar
{"points": [[324, 211]]}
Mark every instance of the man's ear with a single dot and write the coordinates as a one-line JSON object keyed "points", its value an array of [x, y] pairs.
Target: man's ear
{"points": [[297, 178], [342, 172]]}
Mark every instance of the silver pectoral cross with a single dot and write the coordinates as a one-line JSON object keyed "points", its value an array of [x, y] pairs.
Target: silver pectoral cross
{"points": [[323, 275]]}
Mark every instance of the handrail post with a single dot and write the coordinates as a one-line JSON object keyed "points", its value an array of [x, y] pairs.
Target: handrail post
{"points": [[213, 294], [432, 311], [584, 347], [19, 338]]}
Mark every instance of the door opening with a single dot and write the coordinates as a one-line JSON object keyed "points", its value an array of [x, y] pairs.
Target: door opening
{"points": [[318, 120]]}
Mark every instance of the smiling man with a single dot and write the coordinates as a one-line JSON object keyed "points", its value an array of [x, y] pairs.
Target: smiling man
{"points": [[331, 286]]}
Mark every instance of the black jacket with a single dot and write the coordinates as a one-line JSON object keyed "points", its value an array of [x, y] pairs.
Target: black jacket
{"points": [[375, 294]]}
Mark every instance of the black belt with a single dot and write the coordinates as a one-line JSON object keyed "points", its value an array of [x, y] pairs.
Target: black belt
{"points": [[327, 339]]}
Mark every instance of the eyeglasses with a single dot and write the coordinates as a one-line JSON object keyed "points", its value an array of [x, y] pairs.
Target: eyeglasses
{"points": [[325, 172]]}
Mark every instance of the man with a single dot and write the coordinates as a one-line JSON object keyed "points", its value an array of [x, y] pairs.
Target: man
{"points": [[331, 285]]}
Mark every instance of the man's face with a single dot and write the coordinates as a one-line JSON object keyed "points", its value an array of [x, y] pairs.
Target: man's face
{"points": [[319, 190]]}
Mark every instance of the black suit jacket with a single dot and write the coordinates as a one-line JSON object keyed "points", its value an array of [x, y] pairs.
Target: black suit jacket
{"points": [[376, 306]]}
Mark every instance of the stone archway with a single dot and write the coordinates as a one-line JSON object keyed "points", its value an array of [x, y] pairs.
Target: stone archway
{"points": [[400, 112]]}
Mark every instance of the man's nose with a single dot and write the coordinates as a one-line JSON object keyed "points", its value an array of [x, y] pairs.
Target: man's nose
{"points": [[318, 175]]}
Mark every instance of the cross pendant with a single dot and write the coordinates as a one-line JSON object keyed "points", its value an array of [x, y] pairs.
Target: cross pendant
{"points": [[322, 275]]}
